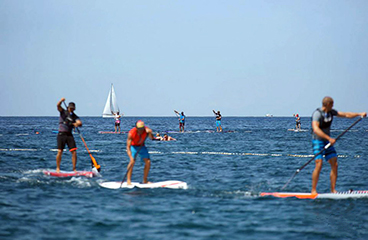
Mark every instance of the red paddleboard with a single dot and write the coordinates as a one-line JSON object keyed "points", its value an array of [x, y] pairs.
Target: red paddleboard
{"points": [[89, 174]]}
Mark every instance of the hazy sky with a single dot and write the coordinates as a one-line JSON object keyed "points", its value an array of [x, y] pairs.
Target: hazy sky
{"points": [[244, 58]]}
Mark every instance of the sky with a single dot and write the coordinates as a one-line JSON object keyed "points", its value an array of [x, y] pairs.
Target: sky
{"points": [[244, 58]]}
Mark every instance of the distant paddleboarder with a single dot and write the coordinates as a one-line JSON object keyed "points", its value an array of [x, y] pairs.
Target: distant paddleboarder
{"points": [[218, 120], [117, 118], [181, 117], [67, 121], [321, 122], [297, 122], [135, 145]]}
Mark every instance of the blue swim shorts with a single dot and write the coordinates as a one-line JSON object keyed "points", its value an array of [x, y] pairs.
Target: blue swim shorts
{"points": [[143, 153], [218, 123], [318, 145]]}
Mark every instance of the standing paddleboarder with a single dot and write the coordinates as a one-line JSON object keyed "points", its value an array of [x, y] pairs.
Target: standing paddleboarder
{"points": [[117, 118], [297, 122], [67, 121], [218, 120], [181, 117], [321, 122], [135, 145]]}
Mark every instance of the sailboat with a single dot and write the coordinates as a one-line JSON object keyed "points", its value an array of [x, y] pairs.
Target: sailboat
{"points": [[111, 105]]}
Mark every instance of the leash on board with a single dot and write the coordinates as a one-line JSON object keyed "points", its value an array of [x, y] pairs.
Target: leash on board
{"points": [[315, 155]]}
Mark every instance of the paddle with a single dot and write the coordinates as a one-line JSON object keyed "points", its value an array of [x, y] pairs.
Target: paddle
{"points": [[315, 155], [93, 160]]}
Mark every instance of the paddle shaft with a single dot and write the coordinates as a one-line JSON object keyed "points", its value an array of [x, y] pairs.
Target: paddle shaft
{"points": [[315, 155], [93, 160]]}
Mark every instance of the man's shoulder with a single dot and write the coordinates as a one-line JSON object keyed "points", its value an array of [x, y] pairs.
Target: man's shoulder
{"points": [[316, 114]]}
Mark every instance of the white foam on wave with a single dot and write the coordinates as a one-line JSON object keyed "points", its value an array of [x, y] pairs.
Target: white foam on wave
{"points": [[249, 154], [34, 171], [79, 181]]}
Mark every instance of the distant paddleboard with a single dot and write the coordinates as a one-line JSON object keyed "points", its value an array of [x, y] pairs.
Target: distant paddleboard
{"points": [[103, 132], [62, 174], [297, 130], [202, 131], [339, 195], [165, 184]]}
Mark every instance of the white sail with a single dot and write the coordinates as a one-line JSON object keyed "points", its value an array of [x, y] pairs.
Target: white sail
{"points": [[111, 105]]}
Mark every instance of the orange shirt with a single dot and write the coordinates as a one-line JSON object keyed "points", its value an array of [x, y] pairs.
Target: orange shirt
{"points": [[137, 140]]}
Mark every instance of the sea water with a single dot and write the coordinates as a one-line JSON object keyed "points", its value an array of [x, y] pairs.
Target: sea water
{"points": [[225, 173]]}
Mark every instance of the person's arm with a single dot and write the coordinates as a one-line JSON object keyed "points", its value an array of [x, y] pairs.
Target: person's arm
{"points": [[318, 131], [129, 144], [214, 112], [78, 123], [59, 107], [351, 114], [149, 132]]}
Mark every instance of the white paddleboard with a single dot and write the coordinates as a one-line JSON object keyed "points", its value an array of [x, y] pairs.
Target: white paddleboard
{"points": [[297, 130], [338, 195], [165, 184]]}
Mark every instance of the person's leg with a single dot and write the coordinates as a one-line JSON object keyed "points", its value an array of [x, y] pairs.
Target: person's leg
{"points": [[74, 159], [333, 174], [61, 140], [147, 167], [58, 159], [315, 175], [130, 171]]}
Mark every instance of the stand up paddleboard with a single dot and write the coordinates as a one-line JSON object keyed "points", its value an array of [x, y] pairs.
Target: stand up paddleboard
{"points": [[297, 130], [338, 195], [62, 174], [165, 184], [107, 132]]}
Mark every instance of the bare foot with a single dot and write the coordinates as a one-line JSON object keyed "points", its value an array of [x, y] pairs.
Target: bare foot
{"points": [[148, 182], [57, 170]]}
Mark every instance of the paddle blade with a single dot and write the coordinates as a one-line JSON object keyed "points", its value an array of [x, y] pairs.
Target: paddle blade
{"points": [[95, 164]]}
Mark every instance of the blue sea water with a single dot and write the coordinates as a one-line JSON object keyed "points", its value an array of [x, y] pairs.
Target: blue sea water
{"points": [[225, 173]]}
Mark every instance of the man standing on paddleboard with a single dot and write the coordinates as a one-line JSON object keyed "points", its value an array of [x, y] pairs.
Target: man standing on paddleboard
{"points": [[67, 121], [218, 120], [181, 117], [135, 145], [297, 122], [321, 122]]}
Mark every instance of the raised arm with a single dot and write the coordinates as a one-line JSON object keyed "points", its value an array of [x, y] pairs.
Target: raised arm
{"points": [[59, 107]]}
